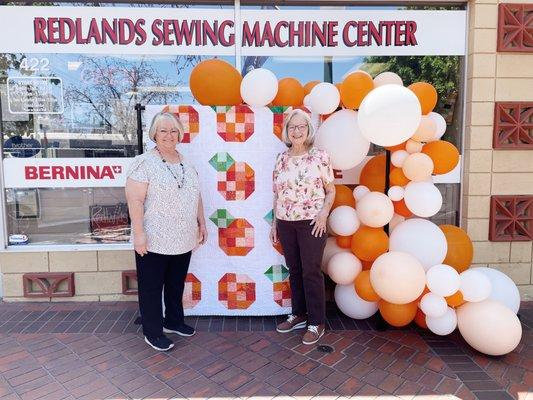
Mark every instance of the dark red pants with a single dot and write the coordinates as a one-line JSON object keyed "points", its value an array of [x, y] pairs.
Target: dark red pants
{"points": [[303, 254]]}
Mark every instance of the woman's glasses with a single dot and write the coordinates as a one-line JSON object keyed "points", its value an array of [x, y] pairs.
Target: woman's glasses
{"points": [[292, 128]]}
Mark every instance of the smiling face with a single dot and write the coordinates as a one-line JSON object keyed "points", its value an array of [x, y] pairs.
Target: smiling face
{"points": [[297, 130], [167, 134]]}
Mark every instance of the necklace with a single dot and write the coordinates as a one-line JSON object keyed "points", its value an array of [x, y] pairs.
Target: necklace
{"points": [[178, 180]]}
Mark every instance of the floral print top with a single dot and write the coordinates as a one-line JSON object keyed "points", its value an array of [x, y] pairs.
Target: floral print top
{"points": [[299, 182]]}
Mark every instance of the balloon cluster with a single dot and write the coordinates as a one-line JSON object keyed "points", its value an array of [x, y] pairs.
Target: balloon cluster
{"points": [[420, 272]]}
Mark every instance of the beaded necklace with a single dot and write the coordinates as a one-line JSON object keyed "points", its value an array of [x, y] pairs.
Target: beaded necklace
{"points": [[179, 181]]}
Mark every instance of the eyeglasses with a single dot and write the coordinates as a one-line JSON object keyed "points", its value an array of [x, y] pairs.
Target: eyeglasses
{"points": [[292, 128], [165, 132]]}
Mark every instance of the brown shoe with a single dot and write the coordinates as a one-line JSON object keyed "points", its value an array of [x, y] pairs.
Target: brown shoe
{"points": [[313, 334], [293, 322]]}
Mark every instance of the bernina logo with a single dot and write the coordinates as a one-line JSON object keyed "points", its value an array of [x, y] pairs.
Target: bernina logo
{"points": [[78, 172]]}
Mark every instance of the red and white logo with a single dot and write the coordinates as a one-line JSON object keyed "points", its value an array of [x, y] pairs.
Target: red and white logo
{"points": [[61, 172]]}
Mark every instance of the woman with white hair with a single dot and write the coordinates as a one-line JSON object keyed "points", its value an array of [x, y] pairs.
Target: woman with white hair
{"points": [[303, 196], [167, 221]]}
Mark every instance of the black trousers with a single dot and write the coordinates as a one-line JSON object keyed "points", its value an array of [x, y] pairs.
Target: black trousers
{"points": [[158, 273], [303, 254]]}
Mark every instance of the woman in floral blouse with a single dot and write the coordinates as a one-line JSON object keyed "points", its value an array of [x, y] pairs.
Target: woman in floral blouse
{"points": [[303, 196]]}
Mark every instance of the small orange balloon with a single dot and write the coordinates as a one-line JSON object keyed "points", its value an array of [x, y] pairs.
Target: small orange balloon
{"points": [[216, 82], [398, 178], [445, 156], [343, 197], [369, 243], [373, 174], [398, 314], [290, 93], [364, 288], [366, 265], [400, 208], [309, 86], [354, 88], [427, 95], [460, 249], [456, 299], [344, 241], [400, 146], [420, 319]]}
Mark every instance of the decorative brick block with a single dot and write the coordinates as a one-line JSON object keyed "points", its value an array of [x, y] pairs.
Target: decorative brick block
{"points": [[511, 218], [513, 125], [129, 282], [515, 28], [48, 284]]}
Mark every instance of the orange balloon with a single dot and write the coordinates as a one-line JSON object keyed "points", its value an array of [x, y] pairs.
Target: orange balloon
{"points": [[373, 174], [398, 314], [456, 299], [343, 197], [420, 319], [290, 93], [354, 88], [400, 208], [460, 249], [369, 243], [216, 83], [397, 177], [364, 288], [309, 86], [366, 265], [445, 156], [400, 146], [344, 241], [427, 95]]}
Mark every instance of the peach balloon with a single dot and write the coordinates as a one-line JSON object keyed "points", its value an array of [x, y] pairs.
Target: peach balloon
{"points": [[412, 146], [343, 268], [290, 93], [398, 277], [329, 251], [375, 210], [369, 243], [426, 131], [460, 249], [216, 82], [427, 95], [363, 287], [445, 156], [387, 78], [417, 167], [354, 88], [398, 315]]}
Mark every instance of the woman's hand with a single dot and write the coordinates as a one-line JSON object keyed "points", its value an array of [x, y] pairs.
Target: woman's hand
{"points": [[274, 234], [140, 243], [202, 234], [319, 223]]}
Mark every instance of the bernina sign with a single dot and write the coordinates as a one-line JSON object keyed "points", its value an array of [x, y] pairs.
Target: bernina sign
{"points": [[65, 172], [212, 32]]}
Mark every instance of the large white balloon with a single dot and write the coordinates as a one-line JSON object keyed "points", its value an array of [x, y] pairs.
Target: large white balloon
{"points": [[423, 198], [324, 98], [443, 280], [489, 327], [433, 305], [475, 285], [375, 209], [259, 87], [443, 325], [440, 123], [351, 304], [397, 277], [343, 221], [389, 115], [329, 251], [387, 78], [340, 136], [503, 290], [422, 239], [343, 268]]}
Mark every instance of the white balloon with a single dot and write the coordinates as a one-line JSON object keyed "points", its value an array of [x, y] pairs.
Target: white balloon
{"points": [[324, 98], [341, 138], [475, 286], [398, 158], [413, 147], [360, 191], [443, 280], [375, 209], [259, 87], [504, 290], [343, 268], [433, 305], [423, 199], [387, 78], [395, 193], [307, 101], [329, 251], [420, 238], [389, 115], [343, 221], [351, 304], [396, 219], [440, 122], [443, 325]]}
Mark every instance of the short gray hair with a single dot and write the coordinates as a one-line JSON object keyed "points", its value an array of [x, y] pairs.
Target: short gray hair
{"points": [[310, 128], [169, 117]]}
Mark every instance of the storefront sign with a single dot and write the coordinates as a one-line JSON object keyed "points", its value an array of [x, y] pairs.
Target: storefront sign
{"points": [[17, 146], [108, 30]]}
